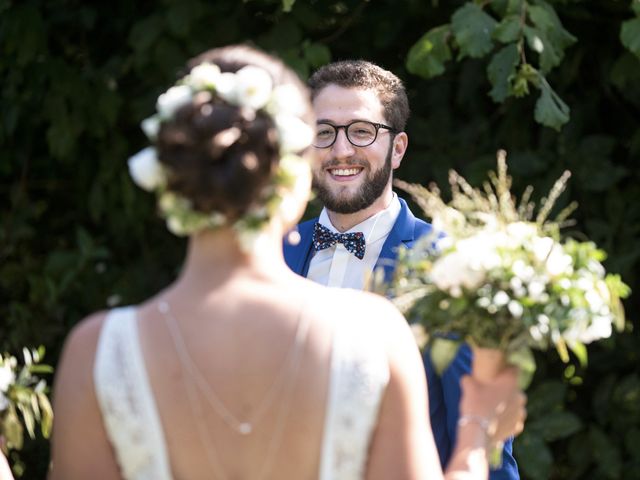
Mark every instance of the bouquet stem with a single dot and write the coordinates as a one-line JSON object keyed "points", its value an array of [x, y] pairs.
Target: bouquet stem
{"points": [[487, 364]]}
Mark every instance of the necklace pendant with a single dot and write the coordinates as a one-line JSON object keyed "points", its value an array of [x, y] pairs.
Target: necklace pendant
{"points": [[245, 428]]}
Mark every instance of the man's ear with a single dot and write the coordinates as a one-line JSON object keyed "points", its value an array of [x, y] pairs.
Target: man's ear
{"points": [[400, 144]]}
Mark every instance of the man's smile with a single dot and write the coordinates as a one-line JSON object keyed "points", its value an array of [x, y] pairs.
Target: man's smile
{"points": [[342, 174]]}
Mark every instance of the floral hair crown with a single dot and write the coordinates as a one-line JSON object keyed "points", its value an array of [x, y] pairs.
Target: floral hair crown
{"points": [[250, 87]]}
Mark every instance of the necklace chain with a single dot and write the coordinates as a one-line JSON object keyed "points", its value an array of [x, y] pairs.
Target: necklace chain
{"points": [[291, 365], [243, 427]]}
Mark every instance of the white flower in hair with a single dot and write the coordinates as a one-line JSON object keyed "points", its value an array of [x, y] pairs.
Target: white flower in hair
{"points": [[174, 98], [294, 134], [226, 87], [151, 126], [146, 171], [286, 99], [205, 75], [176, 226], [253, 87]]}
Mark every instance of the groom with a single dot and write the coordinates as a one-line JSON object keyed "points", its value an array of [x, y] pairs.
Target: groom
{"points": [[361, 112]]}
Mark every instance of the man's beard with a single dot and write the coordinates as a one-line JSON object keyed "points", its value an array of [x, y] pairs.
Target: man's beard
{"points": [[370, 190]]}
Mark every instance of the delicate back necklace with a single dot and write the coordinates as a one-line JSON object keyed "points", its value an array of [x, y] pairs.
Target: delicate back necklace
{"points": [[290, 366]]}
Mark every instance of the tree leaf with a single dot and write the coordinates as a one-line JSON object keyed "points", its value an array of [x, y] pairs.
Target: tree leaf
{"points": [[317, 54], [287, 5], [579, 461], [428, 55], [549, 38], [473, 28], [626, 395], [526, 363], [509, 29], [501, 68], [542, 17], [539, 43], [550, 110], [545, 17], [514, 7], [145, 33], [555, 425], [545, 397], [25, 34], [443, 351], [61, 135], [292, 58], [625, 75], [630, 35], [605, 453], [631, 442], [534, 456], [179, 17], [580, 351], [283, 36]]}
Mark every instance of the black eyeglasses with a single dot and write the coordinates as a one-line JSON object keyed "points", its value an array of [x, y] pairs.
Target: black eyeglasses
{"points": [[360, 133]]}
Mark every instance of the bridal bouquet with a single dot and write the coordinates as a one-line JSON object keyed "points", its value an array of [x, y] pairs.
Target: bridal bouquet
{"points": [[497, 275], [23, 399]]}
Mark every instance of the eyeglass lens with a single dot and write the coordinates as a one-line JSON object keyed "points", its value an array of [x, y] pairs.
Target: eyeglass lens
{"points": [[359, 134]]}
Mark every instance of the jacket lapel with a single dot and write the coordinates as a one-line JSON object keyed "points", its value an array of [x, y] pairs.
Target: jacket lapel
{"points": [[404, 232]]}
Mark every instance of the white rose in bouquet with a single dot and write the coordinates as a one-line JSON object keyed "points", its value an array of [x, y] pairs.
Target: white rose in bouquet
{"points": [[502, 279]]}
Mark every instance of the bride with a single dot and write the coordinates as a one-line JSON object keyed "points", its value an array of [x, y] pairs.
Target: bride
{"points": [[241, 369]]}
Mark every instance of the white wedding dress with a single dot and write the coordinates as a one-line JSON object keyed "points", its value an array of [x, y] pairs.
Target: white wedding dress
{"points": [[358, 378]]}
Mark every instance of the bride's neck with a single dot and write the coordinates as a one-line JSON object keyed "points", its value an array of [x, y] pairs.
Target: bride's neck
{"points": [[216, 256]]}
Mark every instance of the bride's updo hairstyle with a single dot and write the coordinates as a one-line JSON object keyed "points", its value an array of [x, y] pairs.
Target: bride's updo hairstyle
{"points": [[223, 139], [205, 171]]}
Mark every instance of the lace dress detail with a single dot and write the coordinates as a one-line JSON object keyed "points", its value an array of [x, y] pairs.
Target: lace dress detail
{"points": [[358, 378], [126, 400]]}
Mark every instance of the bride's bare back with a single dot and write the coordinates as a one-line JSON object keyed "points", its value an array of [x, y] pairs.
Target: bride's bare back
{"points": [[241, 338]]}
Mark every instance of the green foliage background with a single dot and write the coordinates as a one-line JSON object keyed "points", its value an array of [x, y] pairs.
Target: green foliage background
{"points": [[553, 82]]}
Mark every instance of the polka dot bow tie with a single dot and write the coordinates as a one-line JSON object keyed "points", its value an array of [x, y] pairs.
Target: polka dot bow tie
{"points": [[325, 238]]}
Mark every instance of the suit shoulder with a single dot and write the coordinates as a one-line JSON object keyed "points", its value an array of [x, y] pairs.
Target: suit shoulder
{"points": [[307, 223], [421, 227]]}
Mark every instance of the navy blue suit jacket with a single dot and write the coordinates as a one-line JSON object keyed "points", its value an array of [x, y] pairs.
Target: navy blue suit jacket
{"points": [[444, 391]]}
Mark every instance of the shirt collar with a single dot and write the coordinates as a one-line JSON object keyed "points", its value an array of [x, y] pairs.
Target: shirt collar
{"points": [[374, 227]]}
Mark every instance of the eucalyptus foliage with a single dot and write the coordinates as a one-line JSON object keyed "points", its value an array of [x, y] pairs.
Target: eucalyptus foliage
{"points": [[78, 77]]}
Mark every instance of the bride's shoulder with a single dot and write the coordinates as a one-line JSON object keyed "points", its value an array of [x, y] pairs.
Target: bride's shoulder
{"points": [[80, 346], [84, 335], [73, 386]]}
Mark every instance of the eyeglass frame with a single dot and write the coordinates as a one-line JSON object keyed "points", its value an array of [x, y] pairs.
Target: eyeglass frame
{"points": [[337, 128]]}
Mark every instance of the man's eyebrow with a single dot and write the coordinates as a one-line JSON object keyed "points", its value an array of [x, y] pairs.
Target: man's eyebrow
{"points": [[331, 122]]}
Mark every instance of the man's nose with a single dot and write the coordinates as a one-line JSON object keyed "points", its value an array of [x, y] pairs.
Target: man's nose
{"points": [[342, 147]]}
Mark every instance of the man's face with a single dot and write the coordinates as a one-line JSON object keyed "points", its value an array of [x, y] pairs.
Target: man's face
{"points": [[349, 178]]}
